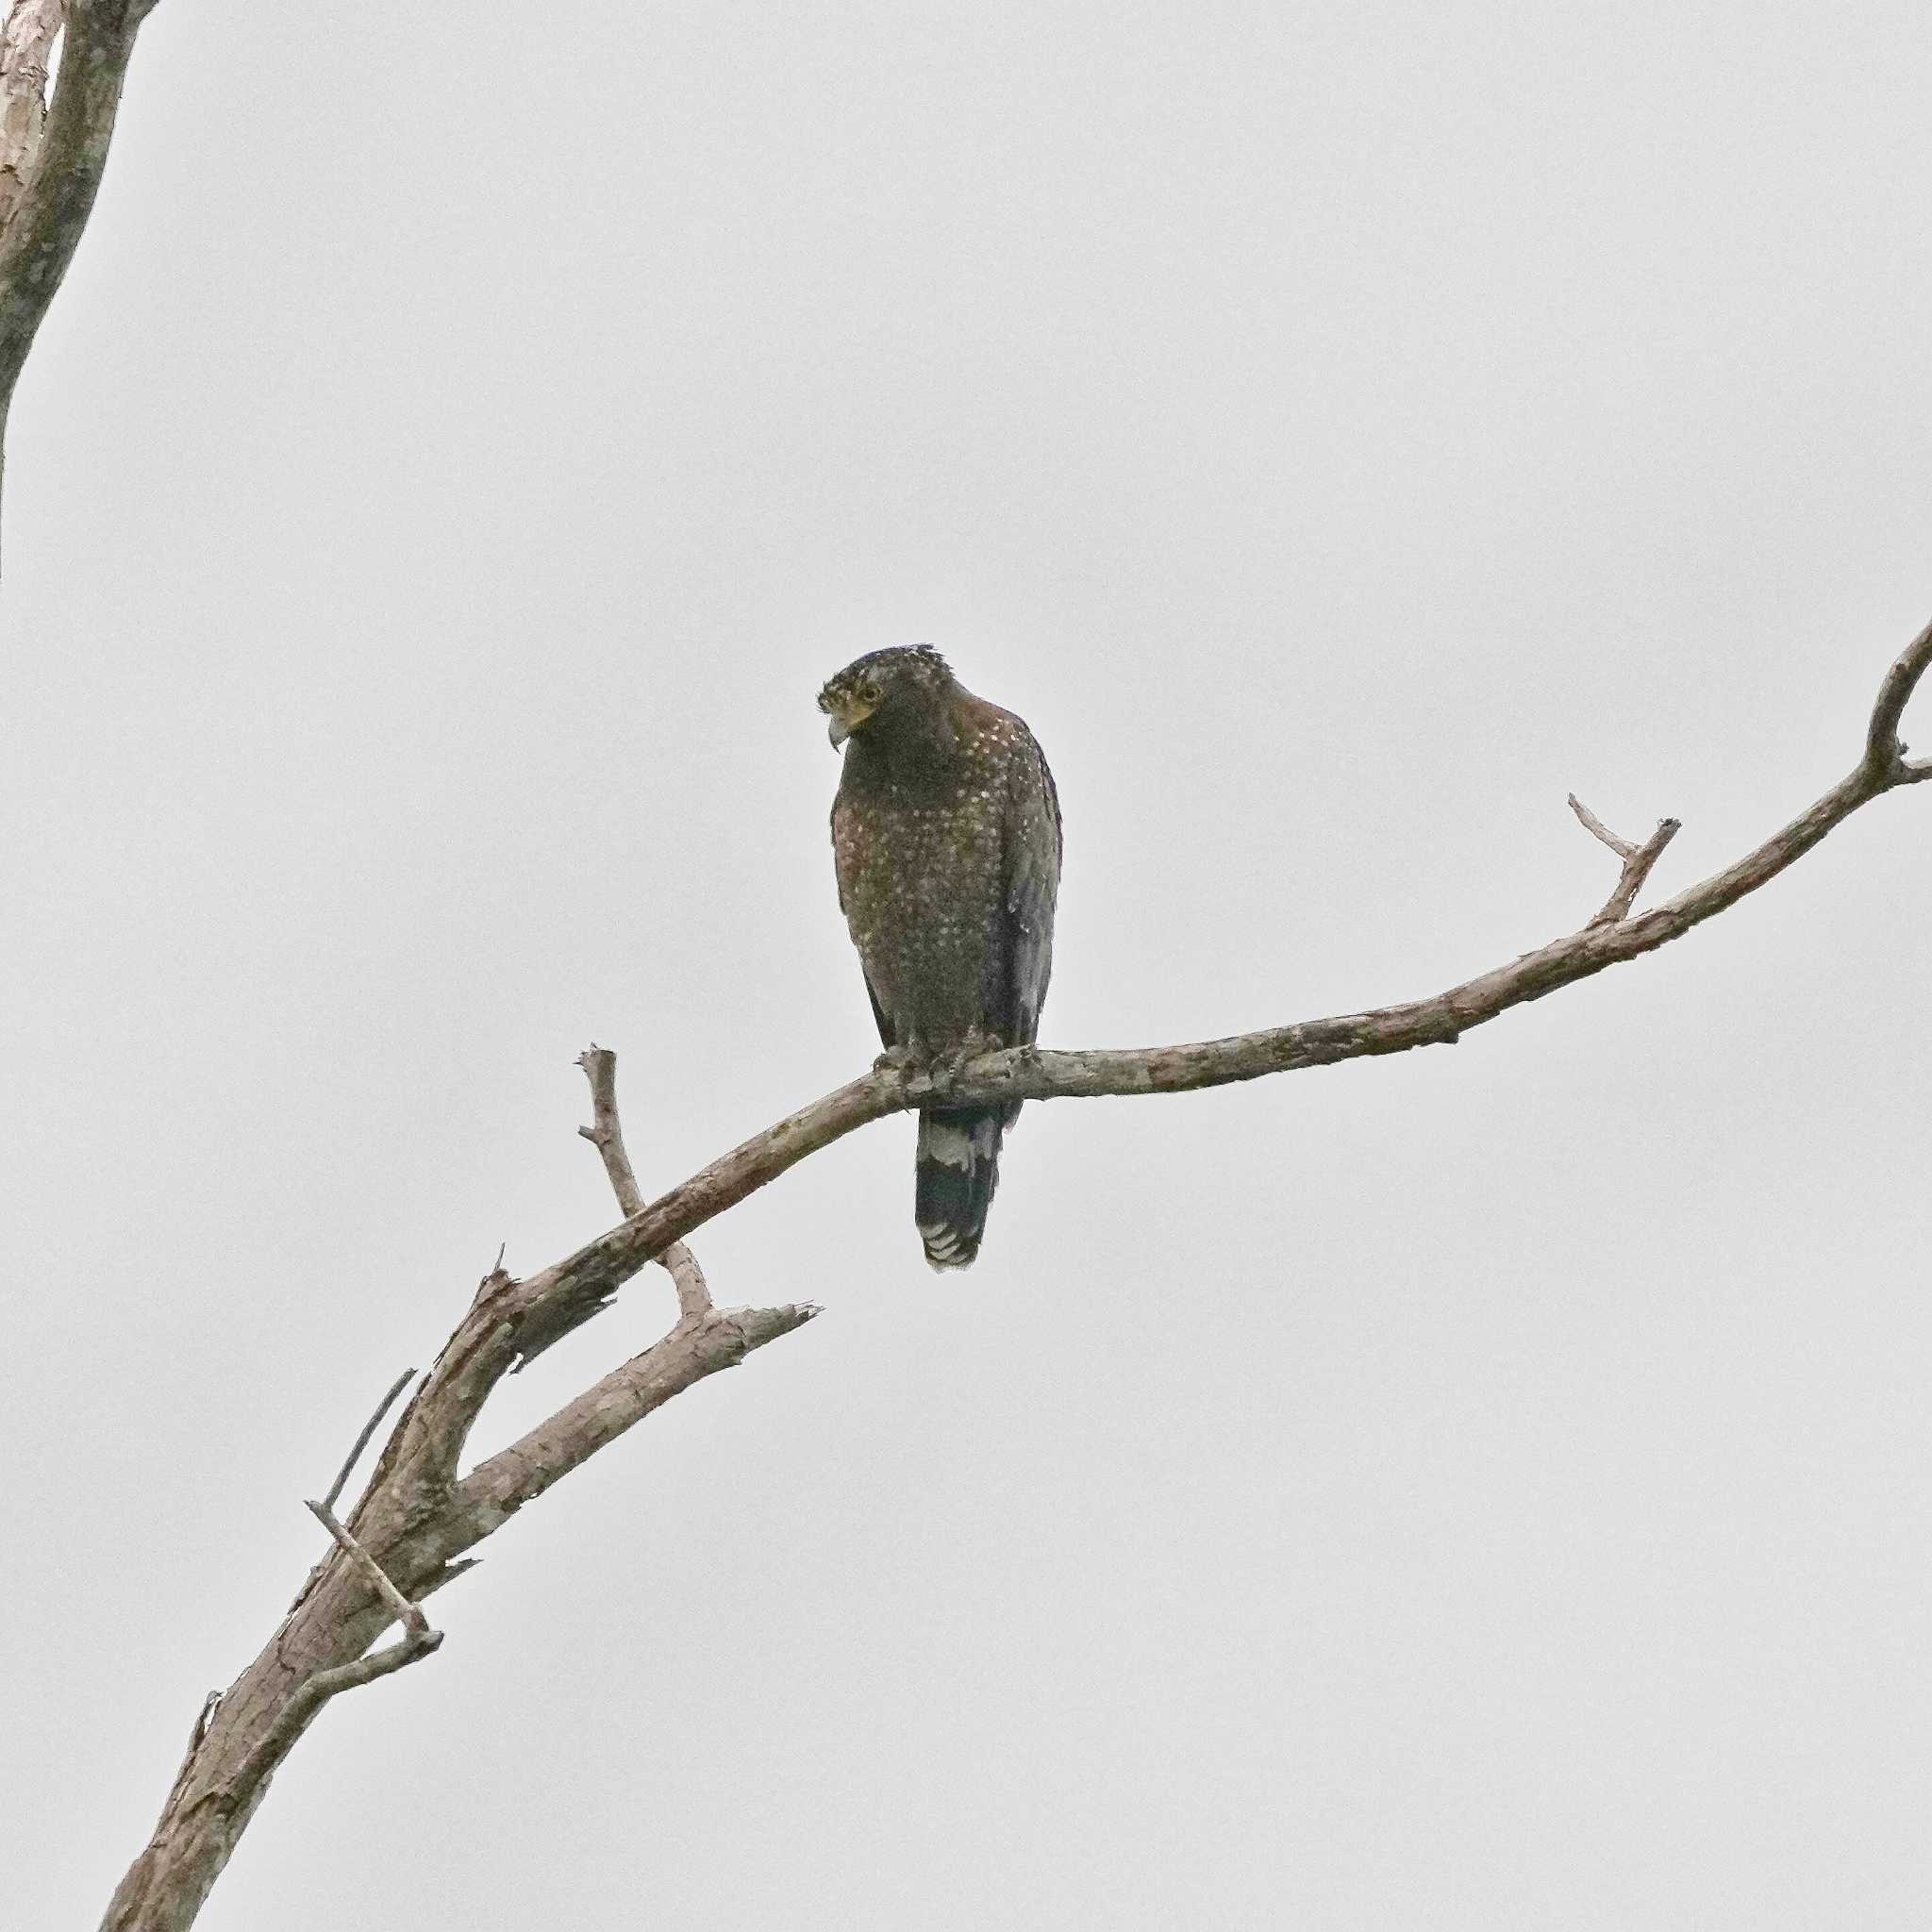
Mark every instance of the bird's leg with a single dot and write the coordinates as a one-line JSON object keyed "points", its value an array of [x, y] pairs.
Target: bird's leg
{"points": [[978, 1041], [910, 1057], [947, 1067], [943, 1067]]}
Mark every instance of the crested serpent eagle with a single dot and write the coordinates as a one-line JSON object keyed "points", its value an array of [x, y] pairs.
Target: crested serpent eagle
{"points": [[946, 834]]}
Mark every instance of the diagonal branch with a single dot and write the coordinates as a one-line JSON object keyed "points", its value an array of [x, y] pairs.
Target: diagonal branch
{"points": [[242, 1790], [406, 1539], [407, 1614], [432, 1433], [419, 1515], [39, 240], [497, 1488], [1031, 1074], [418, 1641], [61, 154], [369, 1428]]}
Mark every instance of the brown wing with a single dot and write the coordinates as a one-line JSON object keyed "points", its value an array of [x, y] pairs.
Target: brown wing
{"points": [[887, 1036], [1031, 837]]}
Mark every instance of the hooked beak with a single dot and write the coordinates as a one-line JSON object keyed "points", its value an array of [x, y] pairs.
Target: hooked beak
{"points": [[847, 714]]}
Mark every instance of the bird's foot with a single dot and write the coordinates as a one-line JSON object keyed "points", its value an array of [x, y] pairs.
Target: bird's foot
{"points": [[948, 1067], [943, 1069], [977, 1040]]}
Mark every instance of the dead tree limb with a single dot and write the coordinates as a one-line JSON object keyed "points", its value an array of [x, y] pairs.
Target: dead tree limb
{"points": [[51, 157], [606, 1136], [383, 1566], [1032, 1073], [1638, 860], [419, 1515], [369, 1428]]}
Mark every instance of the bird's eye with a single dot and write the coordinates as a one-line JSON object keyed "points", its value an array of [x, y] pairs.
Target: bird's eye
{"points": [[868, 694]]}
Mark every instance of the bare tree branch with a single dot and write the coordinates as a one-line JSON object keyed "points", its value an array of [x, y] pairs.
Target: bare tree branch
{"points": [[382, 1408], [1884, 752], [419, 1515], [405, 1539], [196, 1733], [1638, 860], [410, 1615], [497, 1488], [600, 1068], [694, 1292], [46, 222], [237, 1798], [1597, 829], [606, 1136], [1032, 1073], [26, 45], [57, 155]]}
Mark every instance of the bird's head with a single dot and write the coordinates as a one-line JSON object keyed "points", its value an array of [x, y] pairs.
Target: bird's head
{"points": [[884, 686]]}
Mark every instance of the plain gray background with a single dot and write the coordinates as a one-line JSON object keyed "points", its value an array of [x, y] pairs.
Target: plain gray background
{"points": [[1486, 1488]]}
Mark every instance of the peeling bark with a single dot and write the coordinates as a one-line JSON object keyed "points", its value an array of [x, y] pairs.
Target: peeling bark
{"points": [[27, 45]]}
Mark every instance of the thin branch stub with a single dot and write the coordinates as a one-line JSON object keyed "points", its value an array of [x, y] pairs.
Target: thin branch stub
{"points": [[369, 1428], [606, 1136], [407, 1613], [1637, 861]]}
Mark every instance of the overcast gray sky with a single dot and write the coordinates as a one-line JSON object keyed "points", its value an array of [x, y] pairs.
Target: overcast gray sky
{"points": [[1482, 1489]]}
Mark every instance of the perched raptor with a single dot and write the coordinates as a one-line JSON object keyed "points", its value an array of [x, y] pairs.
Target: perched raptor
{"points": [[946, 834]]}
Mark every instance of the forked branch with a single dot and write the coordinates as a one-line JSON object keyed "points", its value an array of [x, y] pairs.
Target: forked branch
{"points": [[1638, 860], [419, 1515], [407, 1538]]}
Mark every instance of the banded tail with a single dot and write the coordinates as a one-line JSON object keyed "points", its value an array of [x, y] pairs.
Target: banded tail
{"points": [[957, 1168]]}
